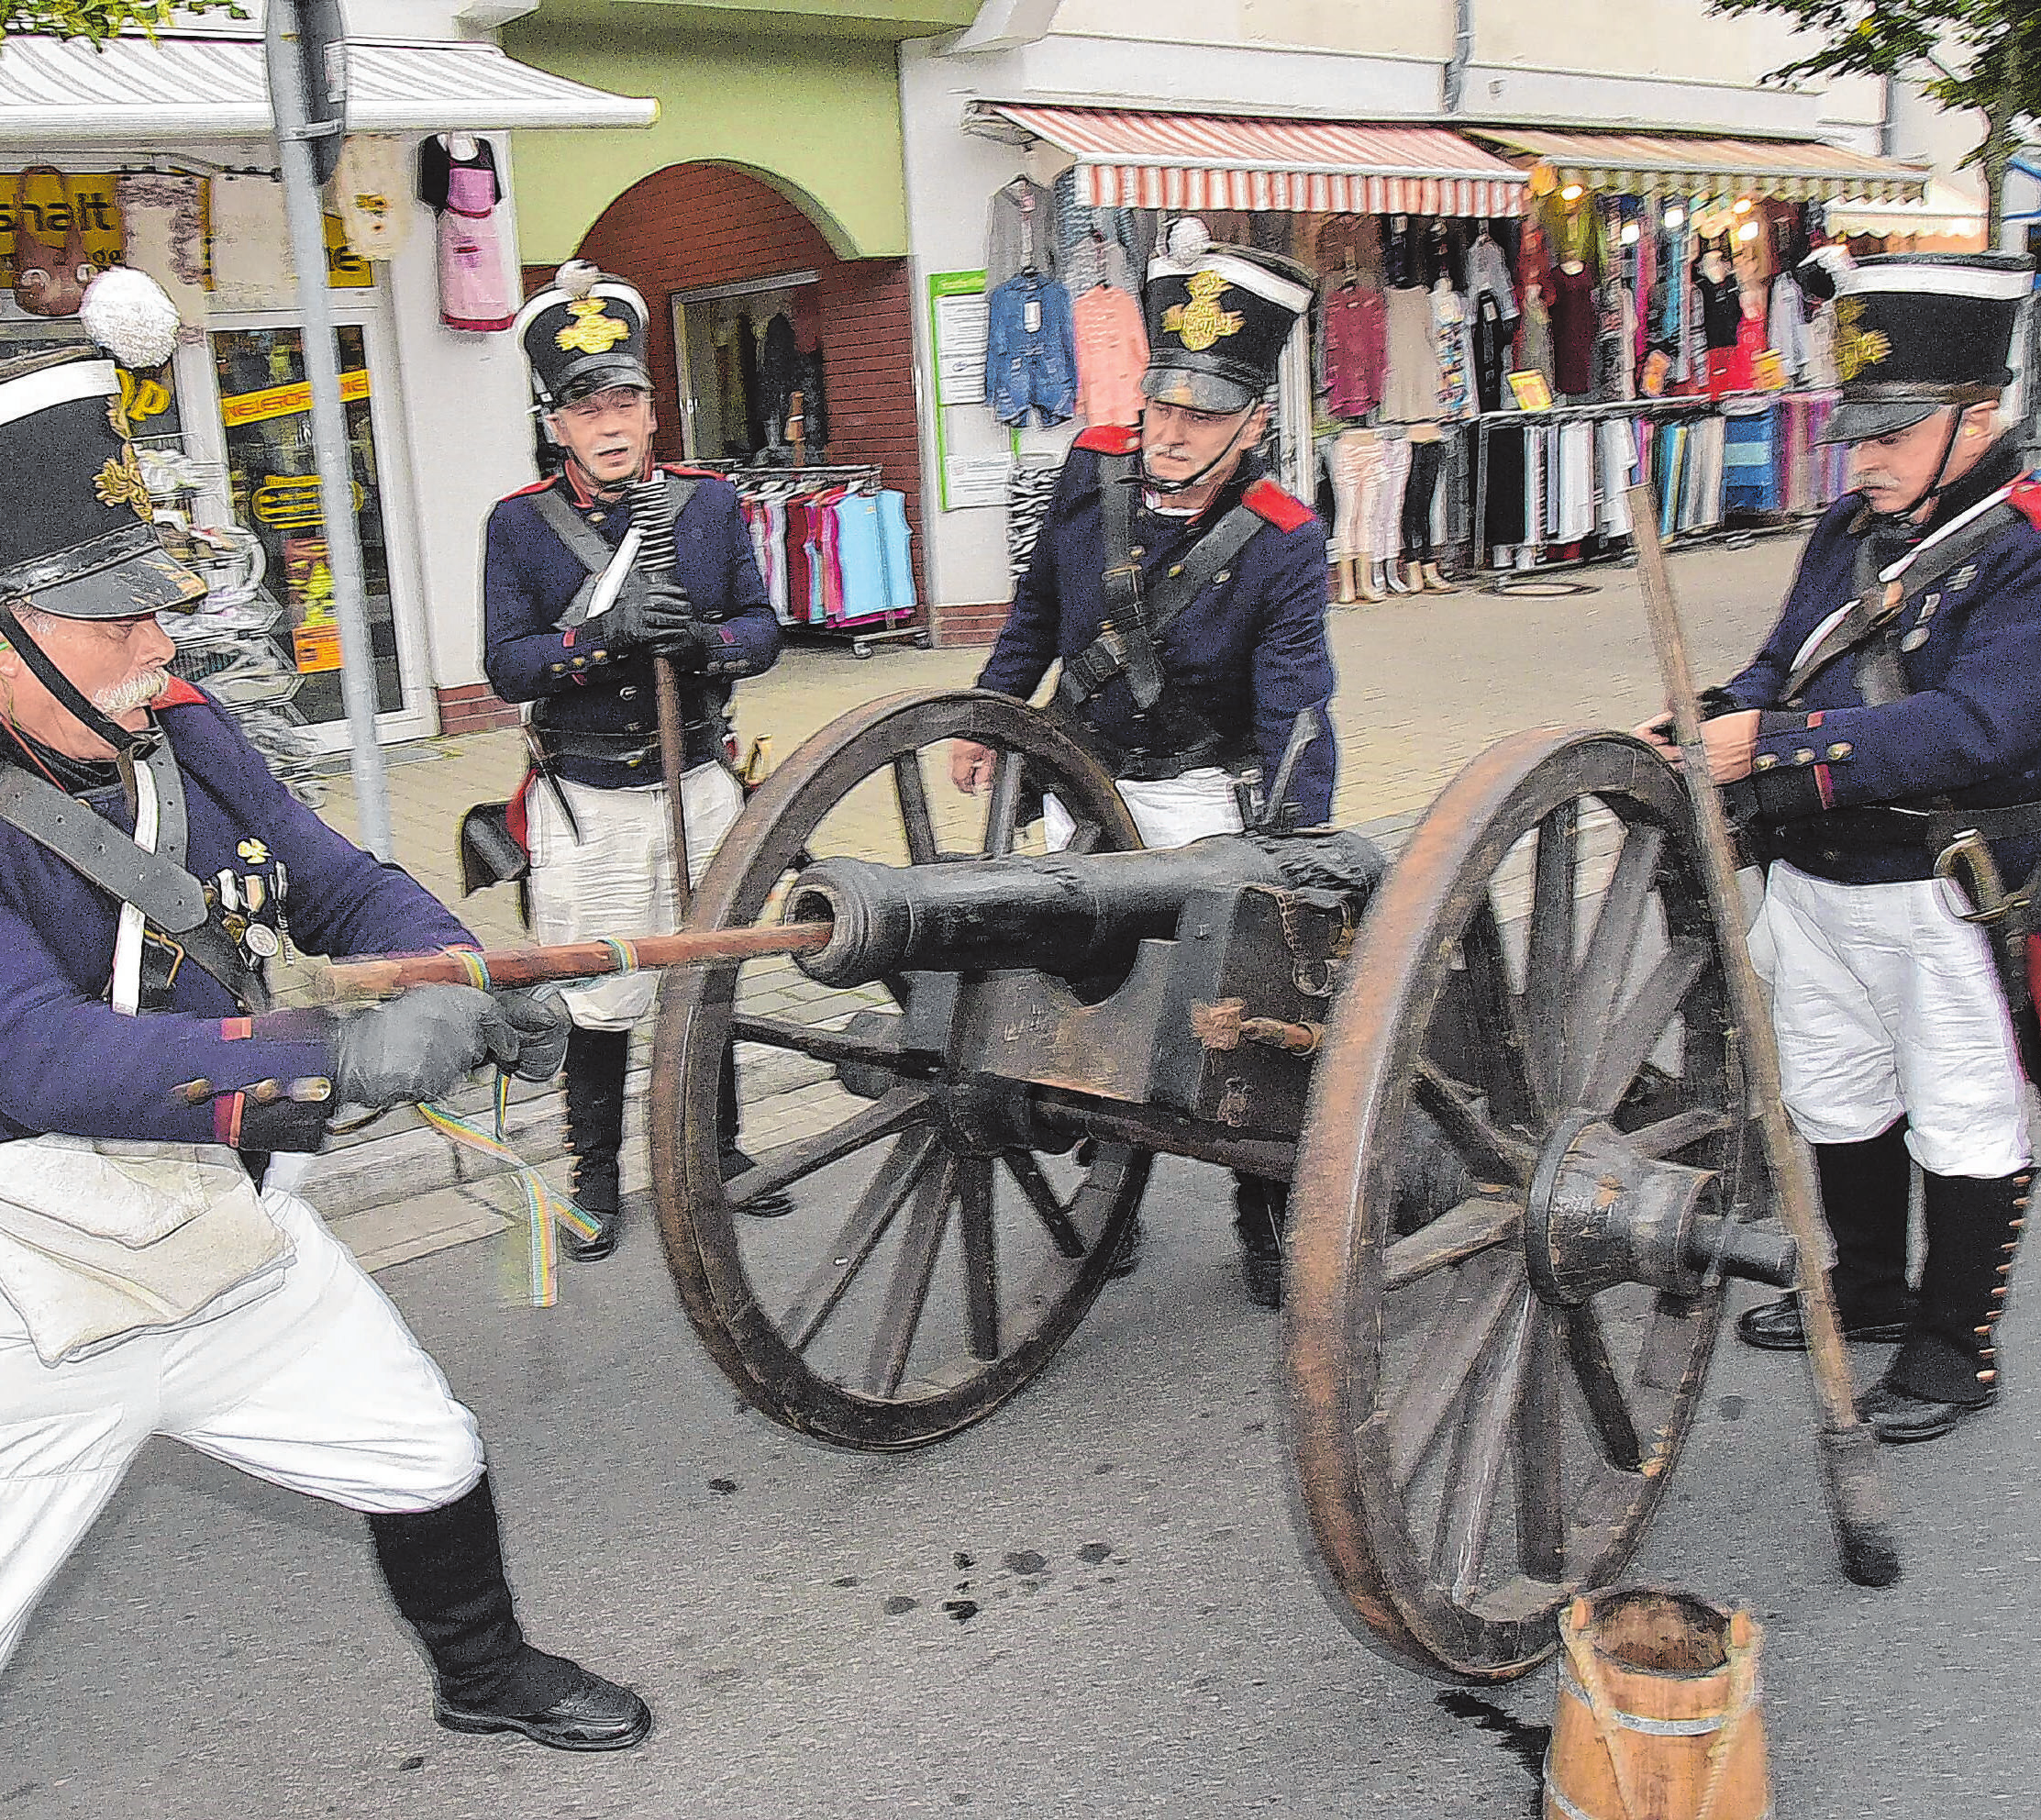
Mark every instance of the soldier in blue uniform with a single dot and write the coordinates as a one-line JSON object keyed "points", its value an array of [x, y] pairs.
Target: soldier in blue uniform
{"points": [[150, 1282], [1184, 594], [587, 577], [1891, 724]]}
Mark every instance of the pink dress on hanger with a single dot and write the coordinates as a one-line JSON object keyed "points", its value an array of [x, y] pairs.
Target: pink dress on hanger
{"points": [[474, 286]]}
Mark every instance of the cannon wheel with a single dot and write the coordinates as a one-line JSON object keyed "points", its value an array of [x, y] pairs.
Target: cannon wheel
{"points": [[932, 1266], [1469, 1453]]}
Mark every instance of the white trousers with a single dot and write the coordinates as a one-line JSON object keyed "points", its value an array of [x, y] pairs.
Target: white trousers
{"points": [[1169, 811], [317, 1386], [617, 879], [1886, 1004]]}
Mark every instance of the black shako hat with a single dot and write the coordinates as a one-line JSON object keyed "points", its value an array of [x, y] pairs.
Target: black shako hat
{"points": [[1916, 332], [1216, 326], [79, 537], [585, 333]]}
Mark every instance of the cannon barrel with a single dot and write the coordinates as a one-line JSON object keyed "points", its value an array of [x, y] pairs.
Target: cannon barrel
{"points": [[1074, 915]]}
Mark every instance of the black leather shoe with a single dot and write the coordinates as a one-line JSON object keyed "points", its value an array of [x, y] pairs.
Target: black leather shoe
{"points": [[592, 1714], [1263, 1274], [1776, 1326], [773, 1206], [596, 1194], [1899, 1417], [1126, 1255]]}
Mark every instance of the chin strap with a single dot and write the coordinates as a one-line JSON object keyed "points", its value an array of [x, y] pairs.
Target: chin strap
{"points": [[128, 747], [1904, 517], [1171, 487]]}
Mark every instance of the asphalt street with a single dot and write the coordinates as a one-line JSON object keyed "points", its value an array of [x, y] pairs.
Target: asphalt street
{"points": [[1094, 1603]]}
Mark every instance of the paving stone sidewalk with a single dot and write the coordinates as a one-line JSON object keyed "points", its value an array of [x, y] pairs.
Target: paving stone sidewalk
{"points": [[1425, 682]]}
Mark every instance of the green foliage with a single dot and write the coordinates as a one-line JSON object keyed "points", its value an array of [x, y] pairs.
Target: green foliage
{"points": [[1981, 54], [97, 20]]}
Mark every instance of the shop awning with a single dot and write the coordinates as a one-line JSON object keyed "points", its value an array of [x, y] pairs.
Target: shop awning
{"points": [[1211, 161], [1942, 210], [62, 91], [1677, 164]]}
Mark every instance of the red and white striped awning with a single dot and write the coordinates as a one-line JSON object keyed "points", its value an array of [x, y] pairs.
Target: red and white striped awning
{"points": [[1128, 160]]}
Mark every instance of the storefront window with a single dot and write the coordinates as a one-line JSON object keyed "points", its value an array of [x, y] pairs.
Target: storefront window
{"points": [[752, 376], [265, 408]]}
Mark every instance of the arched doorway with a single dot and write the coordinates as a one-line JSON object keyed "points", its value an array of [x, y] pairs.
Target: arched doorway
{"points": [[733, 253]]}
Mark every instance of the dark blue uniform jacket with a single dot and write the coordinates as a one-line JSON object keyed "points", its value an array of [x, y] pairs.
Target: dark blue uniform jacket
{"points": [[1969, 732], [1248, 653], [530, 579], [198, 1072]]}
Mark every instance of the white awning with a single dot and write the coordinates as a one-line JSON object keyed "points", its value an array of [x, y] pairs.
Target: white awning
{"points": [[55, 92], [1943, 210]]}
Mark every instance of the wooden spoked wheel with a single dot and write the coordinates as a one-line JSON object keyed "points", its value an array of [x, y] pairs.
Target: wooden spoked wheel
{"points": [[1486, 1401], [935, 1259]]}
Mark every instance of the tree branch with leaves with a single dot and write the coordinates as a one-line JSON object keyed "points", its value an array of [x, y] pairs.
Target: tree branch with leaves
{"points": [[1980, 54], [98, 20]]}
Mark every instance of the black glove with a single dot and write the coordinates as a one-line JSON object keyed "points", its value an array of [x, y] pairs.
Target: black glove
{"points": [[420, 1046], [538, 1016], [649, 616]]}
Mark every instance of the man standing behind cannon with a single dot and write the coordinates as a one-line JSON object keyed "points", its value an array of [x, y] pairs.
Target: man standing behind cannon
{"points": [[1185, 593], [150, 1282], [1891, 728], [576, 608]]}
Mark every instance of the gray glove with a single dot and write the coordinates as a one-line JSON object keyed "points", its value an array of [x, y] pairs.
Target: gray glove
{"points": [[538, 1015], [420, 1047], [654, 617]]}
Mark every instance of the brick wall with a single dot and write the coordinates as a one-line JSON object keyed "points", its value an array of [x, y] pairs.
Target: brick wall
{"points": [[693, 225], [472, 708]]}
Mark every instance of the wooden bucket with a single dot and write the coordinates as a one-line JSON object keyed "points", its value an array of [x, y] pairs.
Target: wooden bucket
{"points": [[1657, 1713]]}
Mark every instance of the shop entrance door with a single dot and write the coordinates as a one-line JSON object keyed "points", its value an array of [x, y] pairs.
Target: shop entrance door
{"points": [[265, 431], [722, 334]]}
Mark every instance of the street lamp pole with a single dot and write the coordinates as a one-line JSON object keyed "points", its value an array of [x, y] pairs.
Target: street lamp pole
{"points": [[306, 49]]}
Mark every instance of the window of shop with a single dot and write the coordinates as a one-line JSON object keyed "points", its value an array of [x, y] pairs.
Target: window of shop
{"points": [[750, 371]]}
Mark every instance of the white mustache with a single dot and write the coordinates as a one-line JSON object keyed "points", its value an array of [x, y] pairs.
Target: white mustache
{"points": [[136, 691]]}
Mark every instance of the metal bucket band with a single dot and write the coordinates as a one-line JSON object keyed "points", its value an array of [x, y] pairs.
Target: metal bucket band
{"points": [[1639, 1722]]}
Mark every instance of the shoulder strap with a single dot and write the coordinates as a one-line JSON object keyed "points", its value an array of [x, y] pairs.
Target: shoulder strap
{"points": [[1878, 604], [580, 537], [155, 884]]}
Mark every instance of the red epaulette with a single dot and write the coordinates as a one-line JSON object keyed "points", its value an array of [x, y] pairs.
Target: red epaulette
{"points": [[180, 694], [2026, 499], [536, 486], [687, 473], [1285, 511], [1110, 439]]}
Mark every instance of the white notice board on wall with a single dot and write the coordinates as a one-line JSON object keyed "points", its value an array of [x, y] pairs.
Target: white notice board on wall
{"points": [[959, 330]]}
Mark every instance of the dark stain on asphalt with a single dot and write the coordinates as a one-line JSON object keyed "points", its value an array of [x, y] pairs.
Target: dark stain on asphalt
{"points": [[412, 1763], [1731, 1408], [1526, 1743], [962, 1559], [1093, 1553], [848, 1580], [722, 1487], [18, 1794], [899, 1604], [963, 1610], [1023, 1561]]}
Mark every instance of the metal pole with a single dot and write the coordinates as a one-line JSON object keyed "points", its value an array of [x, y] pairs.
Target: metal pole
{"points": [[329, 431]]}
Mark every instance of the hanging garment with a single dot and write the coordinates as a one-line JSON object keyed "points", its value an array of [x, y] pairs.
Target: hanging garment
{"points": [[1822, 373], [1384, 534], [1355, 458], [1576, 323], [863, 593], [1786, 328], [1574, 232], [1750, 470], [475, 295], [1456, 376], [1030, 352], [369, 194], [1618, 453], [1499, 478], [251, 244], [780, 374], [1411, 392], [1427, 462], [1488, 275], [1028, 492], [1356, 324], [163, 234], [895, 537], [1720, 308], [1492, 353], [1021, 233], [1575, 492], [1112, 355]]}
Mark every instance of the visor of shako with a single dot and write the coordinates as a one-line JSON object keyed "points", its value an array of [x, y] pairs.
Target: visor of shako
{"points": [[577, 345], [1218, 328], [1928, 328], [79, 537]]}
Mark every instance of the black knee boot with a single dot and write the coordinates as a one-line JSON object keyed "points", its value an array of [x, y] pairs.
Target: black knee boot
{"points": [[445, 1571], [1863, 1188], [1948, 1364], [596, 1062]]}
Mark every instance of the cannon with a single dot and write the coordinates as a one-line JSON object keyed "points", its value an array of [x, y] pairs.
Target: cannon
{"points": [[1501, 1077]]}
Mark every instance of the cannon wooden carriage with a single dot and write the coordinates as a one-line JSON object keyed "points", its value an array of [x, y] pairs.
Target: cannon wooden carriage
{"points": [[1502, 1078]]}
